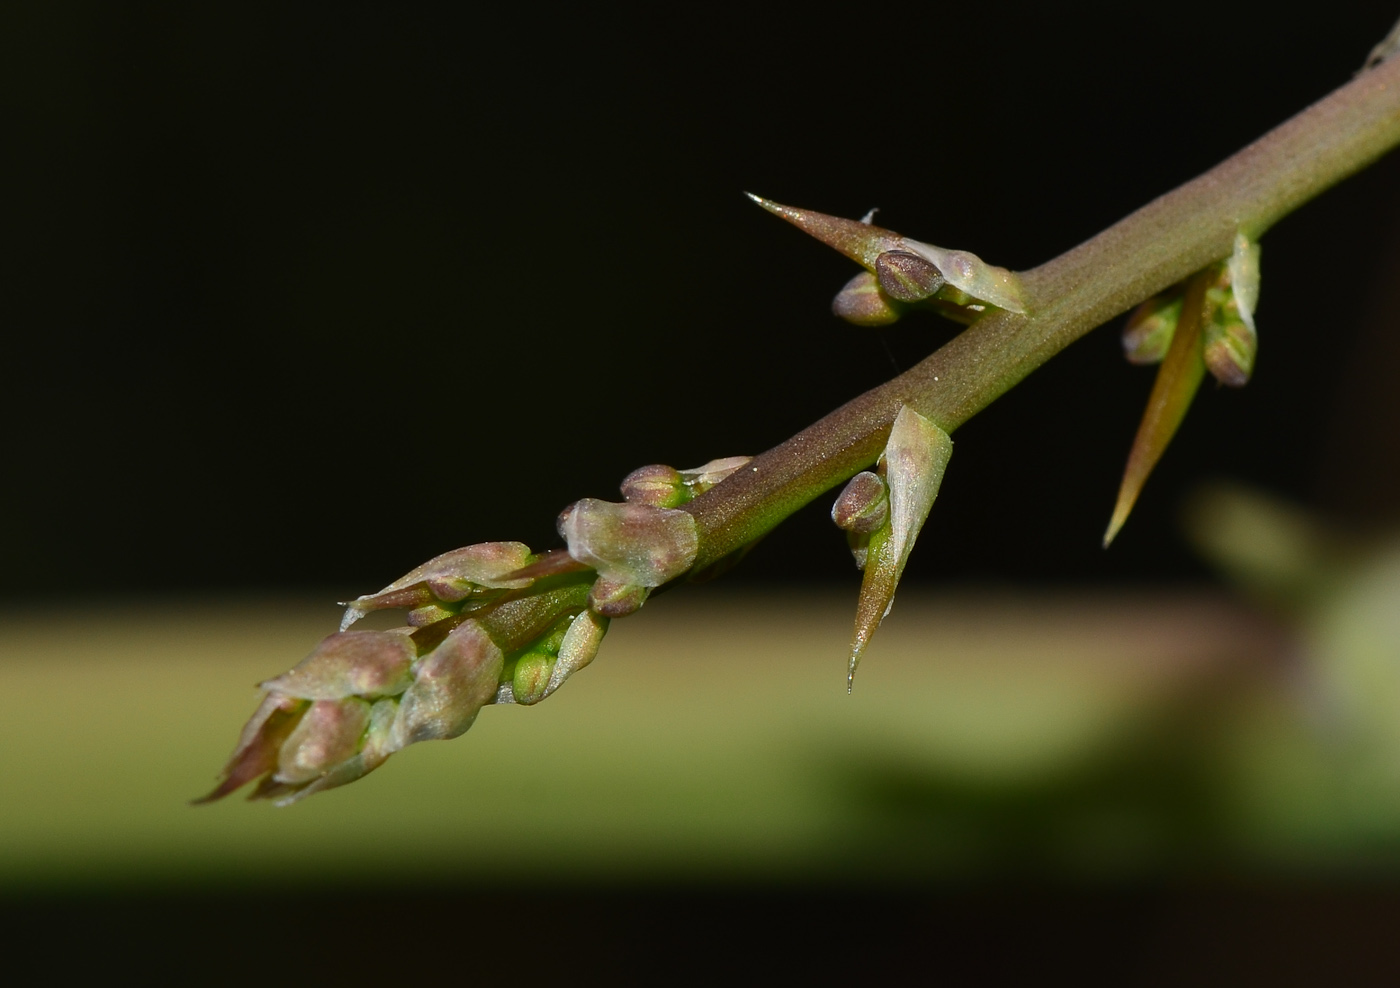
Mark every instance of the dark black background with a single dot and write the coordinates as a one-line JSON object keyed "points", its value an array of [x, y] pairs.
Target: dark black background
{"points": [[300, 296]]}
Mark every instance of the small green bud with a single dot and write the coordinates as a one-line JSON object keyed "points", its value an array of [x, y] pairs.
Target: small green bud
{"points": [[1228, 334], [350, 663], [1149, 330], [421, 617], [1230, 348], [657, 485], [531, 678], [630, 543], [612, 599], [863, 504], [862, 303], [906, 277], [578, 648]]}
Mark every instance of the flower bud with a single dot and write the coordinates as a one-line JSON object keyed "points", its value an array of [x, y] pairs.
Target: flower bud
{"points": [[328, 734], [373, 752], [657, 485], [611, 599], [350, 663], [531, 676], [578, 648], [1148, 332], [256, 752], [630, 543], [863, 504], [1228, 333], [1230, 348], [451, 684], [451, 577], [862, 303], [907, 277]]}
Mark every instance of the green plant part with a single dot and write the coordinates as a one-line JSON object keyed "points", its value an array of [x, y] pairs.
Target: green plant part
{"points": [[912, 467], [497, 623], [1148, 332], [1229, 339], [957, 282], [1209, 325]]}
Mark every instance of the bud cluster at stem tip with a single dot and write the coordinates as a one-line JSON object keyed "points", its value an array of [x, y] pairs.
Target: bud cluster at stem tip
{"points": [[491, 623]]}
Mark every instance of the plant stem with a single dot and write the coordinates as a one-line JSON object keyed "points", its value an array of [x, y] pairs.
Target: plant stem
{"points": [[1157, 246]]}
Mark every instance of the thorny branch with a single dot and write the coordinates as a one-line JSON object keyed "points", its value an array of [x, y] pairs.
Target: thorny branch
{"points": [[1159, 245]]}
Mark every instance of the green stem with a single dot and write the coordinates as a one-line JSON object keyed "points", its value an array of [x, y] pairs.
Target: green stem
{"points": [[1159, 245]]}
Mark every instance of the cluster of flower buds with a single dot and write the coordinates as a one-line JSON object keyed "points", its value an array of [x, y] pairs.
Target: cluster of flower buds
{"points": [[488, 623], [882, 513], [1204, 324], [1228, 339], [902, 272]]}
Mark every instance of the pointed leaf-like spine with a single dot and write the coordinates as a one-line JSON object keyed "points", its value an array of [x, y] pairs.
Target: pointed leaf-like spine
{"points": [[969, 278], [1177, 381], [913, 464]]}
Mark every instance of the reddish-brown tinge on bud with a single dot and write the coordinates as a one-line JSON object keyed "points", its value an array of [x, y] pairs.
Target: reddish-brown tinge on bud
{"points": [[350, 663], [863, 504], [261, 740], [657, 485], [907, 277], [862, 303]]}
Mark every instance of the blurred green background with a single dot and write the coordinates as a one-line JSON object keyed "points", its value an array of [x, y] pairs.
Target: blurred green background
{"points": [[1070, 736], [300, 296]]}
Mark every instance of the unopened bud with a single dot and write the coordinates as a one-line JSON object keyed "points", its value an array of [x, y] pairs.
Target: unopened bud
{"points": [[421, 617], [450, 577], [531, 677], [328, 734], [1149, 330], [350, 663], [450, 687], [578, 648], [907, 277], [374, 750], [863, 505], [862, 303], [1228, 334], [612, 599], [630, 543], [1229, 352], [256, 753], [657, 485]]}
